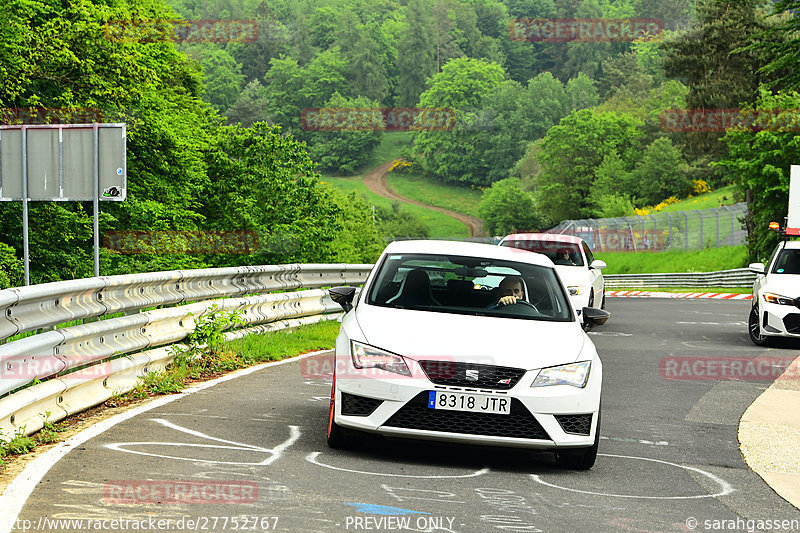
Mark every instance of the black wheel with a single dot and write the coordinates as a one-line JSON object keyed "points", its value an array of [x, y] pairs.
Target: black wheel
{"points": [[754, 329], [337, 436], [581, 458]]}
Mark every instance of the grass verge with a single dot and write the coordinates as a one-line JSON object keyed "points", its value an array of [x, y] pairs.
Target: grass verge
{"points": [[230, 355], [391, 146], [441, 226], [727, 290], [706, 260], [428, 192], [703, 201]]}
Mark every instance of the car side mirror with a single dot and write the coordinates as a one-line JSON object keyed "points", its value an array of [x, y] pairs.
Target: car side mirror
{"points": [[757, 268], [599, 264], [593, 316], [343, 296]]}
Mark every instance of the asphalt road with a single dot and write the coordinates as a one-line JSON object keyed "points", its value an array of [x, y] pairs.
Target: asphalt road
{"points": [[669, 458]]}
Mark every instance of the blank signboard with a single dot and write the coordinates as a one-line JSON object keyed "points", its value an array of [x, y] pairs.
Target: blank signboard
{"points": [[60, 162]]}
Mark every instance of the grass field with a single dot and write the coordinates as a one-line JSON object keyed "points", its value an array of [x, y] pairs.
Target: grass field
{"points": [[703, 201], [391, 145], [429, 192], [706, 260], [441, 226]]}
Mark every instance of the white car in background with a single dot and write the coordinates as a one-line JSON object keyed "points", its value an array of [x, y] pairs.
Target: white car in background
{"points": [[425, 351], [776, 295], [579, 270]]}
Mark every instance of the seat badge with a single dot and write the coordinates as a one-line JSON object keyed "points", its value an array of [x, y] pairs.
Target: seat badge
{"points": [[472, 375]]}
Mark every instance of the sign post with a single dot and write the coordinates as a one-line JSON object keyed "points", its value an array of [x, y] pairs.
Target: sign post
{"points": [[63, 162], [793, 222]]}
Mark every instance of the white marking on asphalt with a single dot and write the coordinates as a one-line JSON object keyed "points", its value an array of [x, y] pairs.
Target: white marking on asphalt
{"points": [[725, 487], [17, 493], [312, 458], [740, 323], [640, 441], [275, 453], [610, 334]]}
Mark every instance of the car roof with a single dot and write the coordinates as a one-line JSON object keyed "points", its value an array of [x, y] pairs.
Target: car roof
{"points": [[792, 245], [470, 249], [551, 237]]}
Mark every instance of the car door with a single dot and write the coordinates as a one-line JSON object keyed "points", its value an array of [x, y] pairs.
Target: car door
{"points": [[595, 275]]}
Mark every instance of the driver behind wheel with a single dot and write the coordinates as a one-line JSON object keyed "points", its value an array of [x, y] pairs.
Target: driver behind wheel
{"points": [[510, 290]]}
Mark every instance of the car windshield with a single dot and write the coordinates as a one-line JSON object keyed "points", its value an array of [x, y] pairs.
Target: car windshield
{"points": [[560, 253], [788, 262], [468, 286]]}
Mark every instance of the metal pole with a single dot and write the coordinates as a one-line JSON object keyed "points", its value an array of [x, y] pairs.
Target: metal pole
{"points": [[699, 214], [96, 200], [25, 245], [686, 229], [717, 213], [670, 230]]}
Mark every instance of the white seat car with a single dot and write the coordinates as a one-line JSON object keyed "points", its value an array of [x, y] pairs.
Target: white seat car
{"points": [[426, 352], [776, 295], [574, 261]]}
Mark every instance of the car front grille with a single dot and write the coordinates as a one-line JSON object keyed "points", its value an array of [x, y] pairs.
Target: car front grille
{"points": [[353, 405], [792, 323], [455, 374], [575, 424], [416, 414]]}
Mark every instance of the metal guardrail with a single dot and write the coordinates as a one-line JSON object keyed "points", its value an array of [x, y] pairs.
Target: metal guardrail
{"points": [[85, 364], [739, 277]]}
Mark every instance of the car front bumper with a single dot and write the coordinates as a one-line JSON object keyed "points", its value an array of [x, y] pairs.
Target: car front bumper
{"points": [[552, 417], [779, 320]]}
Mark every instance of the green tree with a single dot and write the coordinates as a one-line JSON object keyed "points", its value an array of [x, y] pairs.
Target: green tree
{"points": [[344, 151], [581, 92], [265, 182], [12, 271], [661, 173], [572, 151], [760, 163], [359, 239], [505, 208], [250, 106], [222, 76], [713, 59], [613, 188], [544, 104], [457, 155], [416, 54]]}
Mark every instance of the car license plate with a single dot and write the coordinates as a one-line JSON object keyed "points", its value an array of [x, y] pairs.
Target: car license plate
{"points": [[474, 403]]}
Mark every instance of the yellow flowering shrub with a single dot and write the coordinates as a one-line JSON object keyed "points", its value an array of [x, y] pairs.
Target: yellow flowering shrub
{"points": [[700, 186]]}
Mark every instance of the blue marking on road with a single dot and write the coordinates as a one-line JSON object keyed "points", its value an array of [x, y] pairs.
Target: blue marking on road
{"points": [[382, 509]]}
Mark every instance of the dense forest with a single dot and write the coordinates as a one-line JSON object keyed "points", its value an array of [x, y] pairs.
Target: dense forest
{"points": [[549, 130]]}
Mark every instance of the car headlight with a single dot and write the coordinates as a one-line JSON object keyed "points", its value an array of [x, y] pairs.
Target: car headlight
{"points": [[366, 356], [576, 290], [575, 374], [772, 298]]}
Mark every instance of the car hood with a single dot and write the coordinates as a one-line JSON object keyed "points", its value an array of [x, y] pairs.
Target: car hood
{"points": [[784, 284], [510, 342], [573, 275]]}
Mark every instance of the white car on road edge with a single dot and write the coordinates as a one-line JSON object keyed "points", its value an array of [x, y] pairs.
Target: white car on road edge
{"points": [[425, 352], [776, 295], [574, 262]]}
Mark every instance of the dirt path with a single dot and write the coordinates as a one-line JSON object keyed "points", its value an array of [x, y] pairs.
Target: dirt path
{"points": [[375, 180]]}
